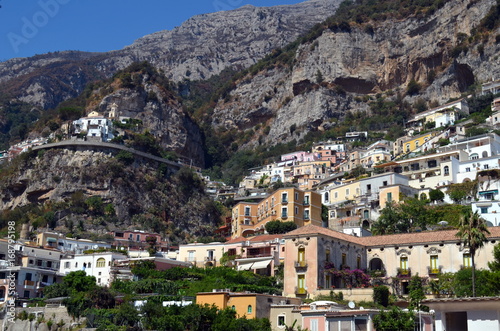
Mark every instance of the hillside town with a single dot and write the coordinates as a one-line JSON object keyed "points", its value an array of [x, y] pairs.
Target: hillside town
{"points": [[331, 249]]}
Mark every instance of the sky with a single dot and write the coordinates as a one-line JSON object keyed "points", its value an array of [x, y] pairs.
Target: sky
{"points": [[30, 27]]}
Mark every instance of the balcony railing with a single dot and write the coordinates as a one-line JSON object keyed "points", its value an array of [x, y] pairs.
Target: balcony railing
{"points": [[300, 290], [284, 215], [306, 202], [404, 272], [434, 271], [300, 264], [284, 201]]}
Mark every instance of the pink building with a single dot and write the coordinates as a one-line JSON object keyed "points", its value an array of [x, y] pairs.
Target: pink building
{"points": [[299, 156], [137, 239], [261, 254]]}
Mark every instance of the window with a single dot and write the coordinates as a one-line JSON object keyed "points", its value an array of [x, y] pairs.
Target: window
{"points": [[403, 265], [326, 197], [281, 321], [296, 210], [99, 280], [100, 263], [301, 284], [485, 166], [434, 268], [284, 197], [347, 192], [384, 183], [446, 170], [344, 259], [76, 264], [407, 147], [484, 210], [284, 212], [366, 214], [296, 196], [328, 281], [28, 276], [327, 255], [467, 169], [358, 262], [138, 237], [417, 143], [249, 309], [336, 195], [467, 260], [306, 214], [247, 211], [190, 256], [233, 307], [314, 325], [389, 196], [306, 200], [368, 188], [66, 265], [474, 156], [302, 256]]}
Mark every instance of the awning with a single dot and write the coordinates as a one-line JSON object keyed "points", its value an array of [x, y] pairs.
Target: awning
{"points": [[261, 264], [489, 192], [244, 266], [51, 240]]}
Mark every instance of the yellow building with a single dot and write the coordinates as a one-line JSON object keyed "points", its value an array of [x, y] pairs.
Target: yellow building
{"points": [[287, 204], [406, 144], [249, 305]]}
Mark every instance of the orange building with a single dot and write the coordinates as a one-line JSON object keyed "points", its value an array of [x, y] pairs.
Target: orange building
{"points": [[250, 305], [286, 204]]}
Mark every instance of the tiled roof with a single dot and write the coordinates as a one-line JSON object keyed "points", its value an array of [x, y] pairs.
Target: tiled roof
{"points": [[386, 240], [314, 229], [420, 237], [468, 299], [264, 237]]}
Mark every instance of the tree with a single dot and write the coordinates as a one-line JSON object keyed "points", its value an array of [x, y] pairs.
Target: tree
{"points": [[381, 295], [394, 320], [436, 195], [472, 232], [495, 264], [278, 227], [417, 293]]}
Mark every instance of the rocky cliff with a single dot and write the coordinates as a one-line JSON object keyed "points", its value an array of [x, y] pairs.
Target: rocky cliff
{"points": [[143, 194], [331, 74]]}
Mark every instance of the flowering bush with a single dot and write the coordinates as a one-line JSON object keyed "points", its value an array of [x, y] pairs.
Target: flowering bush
{"points": [[351, 278]]}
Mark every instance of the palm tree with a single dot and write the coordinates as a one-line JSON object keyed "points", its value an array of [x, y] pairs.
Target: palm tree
{"points": [[472, 232]]}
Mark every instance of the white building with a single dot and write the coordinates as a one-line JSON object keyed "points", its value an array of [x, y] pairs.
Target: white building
{"points": [[97, 127], [97, 264], [465, 314]]}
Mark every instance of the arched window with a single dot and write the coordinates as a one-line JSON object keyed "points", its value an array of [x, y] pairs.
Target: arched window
{"points": [[233, 307], [249, 309], [446, 170], [485, 154], [327, 197], [100, 263]]}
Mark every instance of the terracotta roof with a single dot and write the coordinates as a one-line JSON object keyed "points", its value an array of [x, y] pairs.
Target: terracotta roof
{"points": [[264, 237], [314, 229], [420, 237], [468, 299], [386, 240]]}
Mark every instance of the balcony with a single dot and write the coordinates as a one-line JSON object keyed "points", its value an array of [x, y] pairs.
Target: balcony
{"points": [[284, 201], [306, 202], [434, 271], [300, 290], [29, 284], [404, 272], [284, 215], [300, 264]]}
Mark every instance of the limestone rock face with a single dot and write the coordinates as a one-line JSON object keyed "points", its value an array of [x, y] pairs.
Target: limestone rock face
{"points": [[69, 177], [331, 74]]}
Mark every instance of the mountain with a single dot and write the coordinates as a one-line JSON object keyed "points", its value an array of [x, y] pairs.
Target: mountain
{"points": [[201, 47], [342, 69]]}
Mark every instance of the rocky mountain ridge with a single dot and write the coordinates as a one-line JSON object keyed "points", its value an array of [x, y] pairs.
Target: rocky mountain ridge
{"points": [[362, 62], [201, 47]]}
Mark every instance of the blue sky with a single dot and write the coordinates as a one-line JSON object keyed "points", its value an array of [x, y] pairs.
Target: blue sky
{"points": [[29, 27]]}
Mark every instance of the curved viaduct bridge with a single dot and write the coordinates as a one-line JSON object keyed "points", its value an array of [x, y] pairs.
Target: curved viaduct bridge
{"points": [[78, 144]]}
